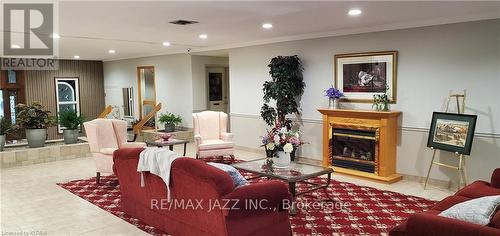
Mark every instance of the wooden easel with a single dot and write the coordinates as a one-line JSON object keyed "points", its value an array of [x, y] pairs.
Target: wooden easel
{"points": [[461, 158]]}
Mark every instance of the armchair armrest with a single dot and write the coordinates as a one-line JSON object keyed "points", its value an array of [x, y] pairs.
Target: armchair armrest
{"points": [[197, 139], [265, 196], [228, 137], [495, 178], [133, 145], [427, 224]]}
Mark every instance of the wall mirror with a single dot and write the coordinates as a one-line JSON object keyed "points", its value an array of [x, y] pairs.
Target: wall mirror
{"points": [[128, 102], [147, 91]]}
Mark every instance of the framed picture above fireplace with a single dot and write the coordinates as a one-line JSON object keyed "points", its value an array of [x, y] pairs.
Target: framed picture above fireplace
{"points": [[452, 132], [359, 76]]}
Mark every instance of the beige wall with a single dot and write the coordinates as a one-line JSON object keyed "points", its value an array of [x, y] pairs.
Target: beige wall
{"points": [[432, 62], [40, 86]]}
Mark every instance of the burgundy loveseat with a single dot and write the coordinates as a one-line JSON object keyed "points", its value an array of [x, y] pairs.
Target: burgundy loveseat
{"points": [[428, 223], [201, 196]]}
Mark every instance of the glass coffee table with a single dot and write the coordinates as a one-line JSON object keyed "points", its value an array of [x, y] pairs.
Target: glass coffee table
{"points": [[296, 172]]}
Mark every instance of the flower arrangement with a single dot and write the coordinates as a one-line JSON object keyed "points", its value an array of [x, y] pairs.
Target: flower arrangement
{"points": [[281, 139], [333, 93]]}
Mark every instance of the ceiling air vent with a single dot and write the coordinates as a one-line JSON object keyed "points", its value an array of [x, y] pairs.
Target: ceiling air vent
{"points": [[183, 22]]}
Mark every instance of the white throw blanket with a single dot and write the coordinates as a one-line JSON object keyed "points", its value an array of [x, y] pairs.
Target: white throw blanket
{"points": [[158, 162]]}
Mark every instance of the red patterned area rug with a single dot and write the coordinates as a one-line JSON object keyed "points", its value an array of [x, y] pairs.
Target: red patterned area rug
{"points": [[371, 211]]}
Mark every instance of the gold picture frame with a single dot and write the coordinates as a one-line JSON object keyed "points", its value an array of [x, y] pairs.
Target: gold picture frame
{"points": [[359, 85]]}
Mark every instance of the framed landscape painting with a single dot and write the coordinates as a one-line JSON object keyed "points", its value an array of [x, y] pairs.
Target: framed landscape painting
{"points": [[452, 132], [359, 76]]}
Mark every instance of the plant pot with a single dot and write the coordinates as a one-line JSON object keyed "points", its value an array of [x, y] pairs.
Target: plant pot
{"points": [[36, 137], [70, 136], [169, 127], [2, 142], [282, 159], [333, 103]]}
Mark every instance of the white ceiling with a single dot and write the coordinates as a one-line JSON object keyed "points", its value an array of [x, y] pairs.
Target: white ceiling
{"points": [[136, 29]]}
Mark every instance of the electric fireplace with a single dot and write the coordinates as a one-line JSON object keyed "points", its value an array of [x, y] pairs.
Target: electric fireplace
{"points": [[361, 143]]}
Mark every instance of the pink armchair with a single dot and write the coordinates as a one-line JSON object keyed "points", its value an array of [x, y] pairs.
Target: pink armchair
{"points": [[104, 137], [211, 136]]}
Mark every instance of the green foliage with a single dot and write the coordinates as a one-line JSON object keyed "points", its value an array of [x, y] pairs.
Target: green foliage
{"points": [[70, 119], [381, 101], [169, 118], [286, 87], [34, 116], [5, 126]]}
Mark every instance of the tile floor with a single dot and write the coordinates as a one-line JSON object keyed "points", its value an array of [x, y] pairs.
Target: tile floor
{"points": [[32, 203]]}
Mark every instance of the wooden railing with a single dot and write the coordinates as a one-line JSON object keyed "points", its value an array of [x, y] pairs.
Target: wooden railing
{"points": [[106, 111], [138, 127]]}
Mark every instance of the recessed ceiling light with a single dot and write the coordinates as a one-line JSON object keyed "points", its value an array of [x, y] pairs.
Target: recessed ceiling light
{"points": [[203, 36], [354, 12], [15, 46], [267, 26], [111, 51], [55, 36], [76, 57], [166, 44]]}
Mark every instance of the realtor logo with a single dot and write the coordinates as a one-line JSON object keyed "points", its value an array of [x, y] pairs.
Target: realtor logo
{"points": [[27, 41], [28, 28]]}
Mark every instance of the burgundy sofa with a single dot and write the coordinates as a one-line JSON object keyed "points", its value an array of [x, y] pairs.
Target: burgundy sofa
{"points": [[197, 188], [428, 223]]}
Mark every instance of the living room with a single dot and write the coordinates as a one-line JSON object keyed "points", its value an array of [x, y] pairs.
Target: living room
{"points": [[345, 118]]}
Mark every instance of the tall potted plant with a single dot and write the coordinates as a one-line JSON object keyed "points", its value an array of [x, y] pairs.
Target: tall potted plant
{"points": [[170, 120], [5, 128], [286, 88], [71, 122], [35, 119]]}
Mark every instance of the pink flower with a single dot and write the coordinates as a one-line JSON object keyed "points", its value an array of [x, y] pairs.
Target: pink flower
{"points": [[295, 141]]}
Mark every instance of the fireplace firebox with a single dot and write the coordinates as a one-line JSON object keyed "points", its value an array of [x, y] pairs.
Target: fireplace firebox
{"points": [[354, 149]]}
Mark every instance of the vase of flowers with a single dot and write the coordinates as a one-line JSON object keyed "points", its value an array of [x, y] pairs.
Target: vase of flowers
{"points": [[334, 96], [280, 143]]}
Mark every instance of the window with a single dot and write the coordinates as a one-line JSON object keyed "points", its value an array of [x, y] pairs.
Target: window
{"points": [[68, 97]]}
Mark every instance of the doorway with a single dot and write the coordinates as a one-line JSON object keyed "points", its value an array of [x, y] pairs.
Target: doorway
{"points": [[147, 92], [218, 88]]}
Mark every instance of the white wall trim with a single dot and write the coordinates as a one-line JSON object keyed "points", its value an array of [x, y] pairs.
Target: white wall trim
{"points": [[403, 128]]}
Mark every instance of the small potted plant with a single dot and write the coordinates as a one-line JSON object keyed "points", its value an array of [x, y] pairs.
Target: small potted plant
{"points": [[333, 95], [381, 101], [71, 122], [170, 120], [5, 128], [35, 120]]}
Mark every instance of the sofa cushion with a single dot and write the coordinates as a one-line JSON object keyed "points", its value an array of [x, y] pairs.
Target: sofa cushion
{"points": [[238, 179], [477, 211], [449, 202], [212, 144], [478, 189]]}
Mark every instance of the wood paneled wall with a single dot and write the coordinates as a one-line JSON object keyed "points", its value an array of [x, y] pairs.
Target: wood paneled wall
{"points": [[40, 86]]}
